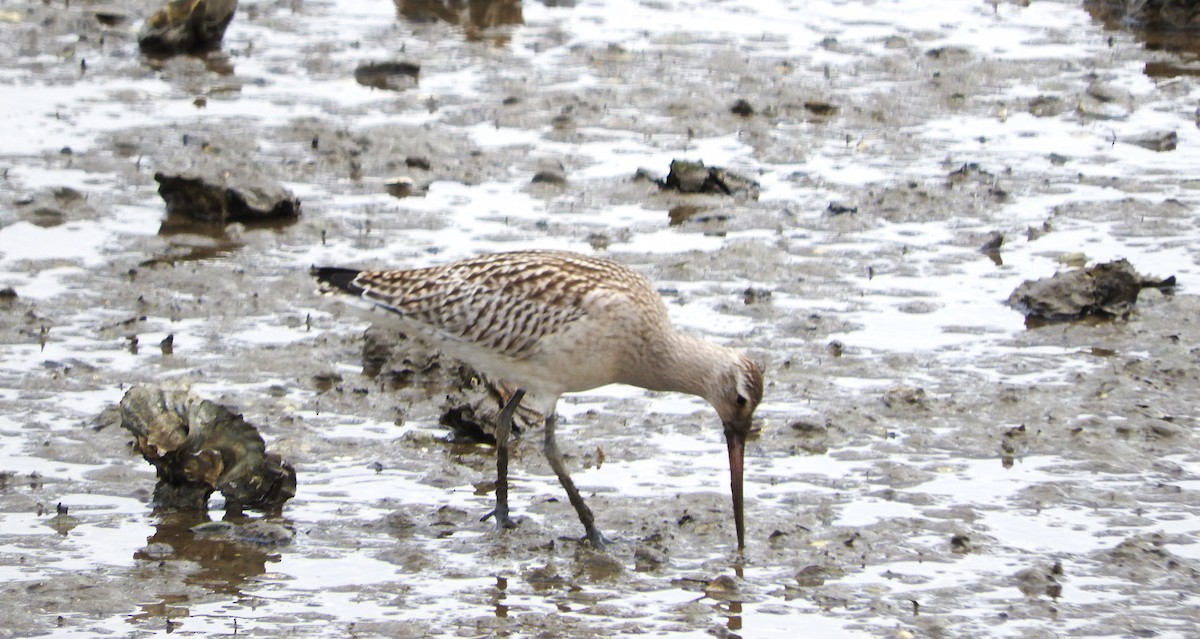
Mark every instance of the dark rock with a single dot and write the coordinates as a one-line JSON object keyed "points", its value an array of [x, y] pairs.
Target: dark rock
{"points": [[742, 108], [186, 26], [550, 171], [599, 566], [693, 177], [62, 522], [549, 177], [821, 109], [690, 177], [471, 411], [904, 396], [648, 558], [994, 242], [1047, 106], [465, 426], [969, 172], [960, 544], [198, 447], [837, 208], [808, 428], [325, 381], [599, 241], [472, 402], [66, 194], [1147, 15], [723, 588], [991, 247], [475, 16], [755, 295], [1104, 290], [392, 76], [1037, 581], [110, 15], [404, 362], [416, 162], [643, 174], [1157, 141], [811, 576], [403, 187], [949, 54], [47, 217], [562, 122], [221, 197]]}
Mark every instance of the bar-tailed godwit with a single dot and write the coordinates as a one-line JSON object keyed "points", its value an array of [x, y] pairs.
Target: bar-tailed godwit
{"points": [[553, 322]]}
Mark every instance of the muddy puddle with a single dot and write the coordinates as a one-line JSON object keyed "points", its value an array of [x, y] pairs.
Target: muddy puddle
{"points": [[926, 466]]}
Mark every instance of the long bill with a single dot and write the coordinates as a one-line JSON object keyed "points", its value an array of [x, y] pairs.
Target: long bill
{"points": [[735, 440]]}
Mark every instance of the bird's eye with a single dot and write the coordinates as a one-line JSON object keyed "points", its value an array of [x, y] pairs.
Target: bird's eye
{"points": [[741, 401]]}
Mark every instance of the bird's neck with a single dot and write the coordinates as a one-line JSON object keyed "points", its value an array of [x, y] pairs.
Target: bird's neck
{"points": [[682, 363]]}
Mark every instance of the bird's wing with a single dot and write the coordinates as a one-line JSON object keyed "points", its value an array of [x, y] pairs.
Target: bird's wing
{"points": [[505, 302]]}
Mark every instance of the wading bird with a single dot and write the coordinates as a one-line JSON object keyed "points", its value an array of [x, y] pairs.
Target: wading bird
{"points": [[553, 322]]}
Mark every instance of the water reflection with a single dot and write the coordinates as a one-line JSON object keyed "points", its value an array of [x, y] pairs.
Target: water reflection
{"points": [[498, 597], [225, 564], [191, 240], [63, 522], [169, 608], [1160, 25], [474, 15], [733, 616], [217, 62]]}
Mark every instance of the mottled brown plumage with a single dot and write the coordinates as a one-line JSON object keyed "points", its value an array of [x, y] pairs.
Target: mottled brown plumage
{"points": [[551, 322], [506, 302]]}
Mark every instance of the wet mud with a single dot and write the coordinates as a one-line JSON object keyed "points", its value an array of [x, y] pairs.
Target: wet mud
{"points": [[924, 465]]}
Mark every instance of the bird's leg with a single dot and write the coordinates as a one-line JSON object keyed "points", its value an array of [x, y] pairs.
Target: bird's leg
{"points": [[503, 430], [554, 456]]}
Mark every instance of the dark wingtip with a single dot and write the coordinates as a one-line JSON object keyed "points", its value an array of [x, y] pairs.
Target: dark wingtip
{"points": [[332, 278]]}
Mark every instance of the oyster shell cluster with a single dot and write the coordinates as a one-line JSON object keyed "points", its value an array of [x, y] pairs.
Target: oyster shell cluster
{"points": [[199, 447], [186, 26]]}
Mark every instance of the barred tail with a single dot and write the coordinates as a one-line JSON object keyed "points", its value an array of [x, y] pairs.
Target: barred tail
{"points": [[331, 279]]}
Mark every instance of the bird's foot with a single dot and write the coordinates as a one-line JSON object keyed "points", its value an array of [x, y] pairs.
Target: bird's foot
{"points": [[503, 521], [596, 539]]}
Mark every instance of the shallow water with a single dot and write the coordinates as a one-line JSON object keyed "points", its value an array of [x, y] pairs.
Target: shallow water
{"points": [[942, 501]]}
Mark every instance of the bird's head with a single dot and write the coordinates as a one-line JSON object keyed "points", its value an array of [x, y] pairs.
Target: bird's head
{"points": [[738, 390], [736, 394]]}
